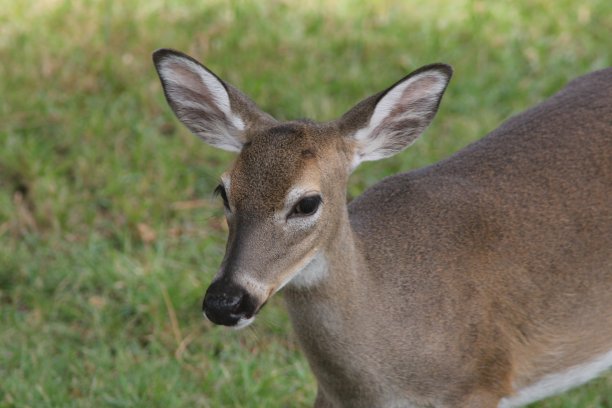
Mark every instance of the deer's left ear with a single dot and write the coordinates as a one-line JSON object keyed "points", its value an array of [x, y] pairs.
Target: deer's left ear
{"points": [[388, 122], [211, 108]]}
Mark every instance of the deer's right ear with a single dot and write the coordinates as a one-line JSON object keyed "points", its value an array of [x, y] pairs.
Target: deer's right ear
{"points": [[209, 107]]}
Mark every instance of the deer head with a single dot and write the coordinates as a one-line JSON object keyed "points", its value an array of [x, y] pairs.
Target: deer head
{"points": [[285, 195]]}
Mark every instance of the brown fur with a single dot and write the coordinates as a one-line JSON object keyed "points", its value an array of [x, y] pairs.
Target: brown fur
{"points": [[500, 255], [450, 286]]}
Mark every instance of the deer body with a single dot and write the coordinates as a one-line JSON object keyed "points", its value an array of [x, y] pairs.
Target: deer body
{"points": [[484, 280], [493, 249]]}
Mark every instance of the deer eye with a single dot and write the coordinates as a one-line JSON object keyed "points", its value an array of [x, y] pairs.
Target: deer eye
{"points": [[306, 206], [220, 191]]}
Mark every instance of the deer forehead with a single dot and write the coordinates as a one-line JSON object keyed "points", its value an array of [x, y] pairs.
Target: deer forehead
{"points": [[276, 165]]}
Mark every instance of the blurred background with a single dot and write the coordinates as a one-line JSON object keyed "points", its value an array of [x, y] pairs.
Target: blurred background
{"points": [[109, 234]]}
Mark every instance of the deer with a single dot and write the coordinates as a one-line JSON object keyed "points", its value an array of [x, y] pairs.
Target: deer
{"points": [[481, 281]]}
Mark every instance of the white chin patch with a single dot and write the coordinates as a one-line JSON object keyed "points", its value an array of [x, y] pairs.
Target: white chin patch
{"points": [[311, 274], [242, 323]]}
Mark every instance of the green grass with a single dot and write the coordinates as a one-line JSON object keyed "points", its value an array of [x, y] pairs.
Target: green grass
{"points": [[108, 233]]}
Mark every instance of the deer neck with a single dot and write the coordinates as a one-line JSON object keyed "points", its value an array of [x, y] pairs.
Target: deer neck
{"points": [[337, 296], [336, 269], [327, 316]]}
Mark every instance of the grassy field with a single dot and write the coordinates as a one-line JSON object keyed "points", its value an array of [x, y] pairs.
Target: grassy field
{"points": [[108, 231]]}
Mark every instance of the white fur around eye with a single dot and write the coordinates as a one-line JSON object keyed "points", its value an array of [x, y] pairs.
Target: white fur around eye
{"points": [[305, 221], [291, 200], [226, 183]]}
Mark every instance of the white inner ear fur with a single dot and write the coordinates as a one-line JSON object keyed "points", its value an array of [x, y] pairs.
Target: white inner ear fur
{"points": [[396, 106], [179, 73]]}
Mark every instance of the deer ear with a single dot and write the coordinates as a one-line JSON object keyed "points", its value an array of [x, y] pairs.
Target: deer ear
{"points": [[388, 122], [209, 107]]}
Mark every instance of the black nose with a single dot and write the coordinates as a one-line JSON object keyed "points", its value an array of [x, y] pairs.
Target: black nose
{"points": [[226, 304]]}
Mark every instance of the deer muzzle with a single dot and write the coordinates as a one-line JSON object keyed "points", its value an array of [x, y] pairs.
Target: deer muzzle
{"points": [[226, 304]]}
